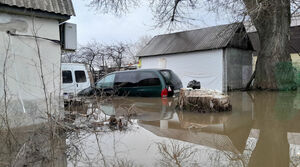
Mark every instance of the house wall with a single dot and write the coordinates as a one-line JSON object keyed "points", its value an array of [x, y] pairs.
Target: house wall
{"points": [[204, 66], [239, 67], [24, 86]]}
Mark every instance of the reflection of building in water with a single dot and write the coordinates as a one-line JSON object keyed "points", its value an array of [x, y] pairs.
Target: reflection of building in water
{"points": [[225, 131], [215, 135], [263, 128]]}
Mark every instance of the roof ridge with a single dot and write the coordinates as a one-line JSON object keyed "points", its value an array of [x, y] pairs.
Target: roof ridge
{"points": [[233, 33], [222, 25]]}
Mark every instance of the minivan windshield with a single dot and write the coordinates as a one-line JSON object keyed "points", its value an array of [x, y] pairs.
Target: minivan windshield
{"points": [[171, 78]]}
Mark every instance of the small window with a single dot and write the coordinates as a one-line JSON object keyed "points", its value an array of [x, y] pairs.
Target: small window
{"points": [[67, 77], [80, 76], [148, 79]]}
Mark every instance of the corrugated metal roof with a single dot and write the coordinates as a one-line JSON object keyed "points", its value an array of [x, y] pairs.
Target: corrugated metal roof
{"points": [[189, 41], [63, 7]]}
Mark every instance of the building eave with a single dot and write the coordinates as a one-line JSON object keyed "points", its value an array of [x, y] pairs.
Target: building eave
{"points": [[33, 13], [175, 53]]}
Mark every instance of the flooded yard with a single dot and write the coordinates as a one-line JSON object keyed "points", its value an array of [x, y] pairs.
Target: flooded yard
{"points": [[263, 129]]}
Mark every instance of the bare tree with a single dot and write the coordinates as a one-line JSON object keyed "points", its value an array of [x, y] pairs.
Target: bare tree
{"points": [[174, 153], [117, 53], [271, 19], [139, 45], [117, 6], [70, 57], [91, 54], [100, 56]]}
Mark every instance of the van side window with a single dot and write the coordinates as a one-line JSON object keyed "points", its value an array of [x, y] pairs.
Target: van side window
{"points": [[147, 78], [106, 82], [126, 79], [80, 76], [67, 77]]}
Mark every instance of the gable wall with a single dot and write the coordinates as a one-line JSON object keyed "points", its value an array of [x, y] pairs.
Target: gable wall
{"points": [[23, 69], [203, 66]]}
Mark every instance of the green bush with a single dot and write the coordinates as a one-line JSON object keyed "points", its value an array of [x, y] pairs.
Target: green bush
{"points": [[297, 73], [285, 76]]}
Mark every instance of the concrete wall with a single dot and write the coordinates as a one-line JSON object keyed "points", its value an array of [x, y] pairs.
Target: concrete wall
{"points": [[204, 66], [24, 84], [239, 68]]}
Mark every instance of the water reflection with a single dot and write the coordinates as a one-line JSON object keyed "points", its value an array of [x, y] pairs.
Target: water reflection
{"points": [[261, 130], [32, 146], [276, 118]]}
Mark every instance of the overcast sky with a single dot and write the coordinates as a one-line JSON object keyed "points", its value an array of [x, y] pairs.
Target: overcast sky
{"points": [[107, 28]]}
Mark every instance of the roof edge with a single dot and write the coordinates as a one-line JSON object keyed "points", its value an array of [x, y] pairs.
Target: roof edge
{"points": [[237, 26], [240, 25], [192, 51], [61, 7], [195, 29], [167, 54], [33, 12]]}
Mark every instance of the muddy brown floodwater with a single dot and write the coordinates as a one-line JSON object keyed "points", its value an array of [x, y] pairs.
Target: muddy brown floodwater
{"points": [[263, 129]]}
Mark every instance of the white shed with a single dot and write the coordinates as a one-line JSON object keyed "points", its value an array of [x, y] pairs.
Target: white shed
{"points": [[219, 57]]}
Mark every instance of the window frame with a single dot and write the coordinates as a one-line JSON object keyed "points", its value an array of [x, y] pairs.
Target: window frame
{"points": [[121, 84], [70, 75], [152, 73], [85, 76]]}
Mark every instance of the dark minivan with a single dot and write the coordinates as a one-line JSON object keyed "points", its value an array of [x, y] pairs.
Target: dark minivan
{"points": [[143, 83]]}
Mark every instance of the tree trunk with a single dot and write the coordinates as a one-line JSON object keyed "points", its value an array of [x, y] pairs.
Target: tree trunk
{"points": [[272, 21]]}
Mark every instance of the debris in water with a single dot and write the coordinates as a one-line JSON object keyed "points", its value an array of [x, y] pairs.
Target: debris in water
{"points": [[113, 121], [203, 100]]}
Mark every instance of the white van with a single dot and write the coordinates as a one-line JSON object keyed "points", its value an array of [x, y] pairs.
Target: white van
{"points": [[74, 79]]}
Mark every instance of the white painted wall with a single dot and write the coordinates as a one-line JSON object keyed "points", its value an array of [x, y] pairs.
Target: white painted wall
{"points": [[203, 66], [23, 72]]}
